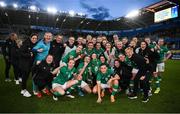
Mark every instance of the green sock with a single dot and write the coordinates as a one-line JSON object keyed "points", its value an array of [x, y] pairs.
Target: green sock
{"points": [[157, 82], [75, 86], [159, 77], [57, 94], [115, 89], [34, 86]]}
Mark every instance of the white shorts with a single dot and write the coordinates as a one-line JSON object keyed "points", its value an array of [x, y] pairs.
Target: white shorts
{"points": [[104, 86], [135, 71], [83, 84], [54, 85], [160, 67]]}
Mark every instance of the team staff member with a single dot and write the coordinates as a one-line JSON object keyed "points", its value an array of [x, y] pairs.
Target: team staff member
{"points": [[140, 76], [57, 49], [151, 57], [26, 61], [44, 75], [15, 58], [6, 50]]}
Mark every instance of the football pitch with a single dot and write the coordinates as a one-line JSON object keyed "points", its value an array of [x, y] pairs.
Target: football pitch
{"points": [[168, 100]]}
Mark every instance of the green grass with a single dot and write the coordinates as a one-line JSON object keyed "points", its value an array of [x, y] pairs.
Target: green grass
{"points": [[167, 100]]}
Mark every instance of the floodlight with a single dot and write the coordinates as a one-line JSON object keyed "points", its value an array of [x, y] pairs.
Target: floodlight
{"points": [[2, 4], [33, 8], [51, 10], [15, 5], [132, 14], [71, 13]]}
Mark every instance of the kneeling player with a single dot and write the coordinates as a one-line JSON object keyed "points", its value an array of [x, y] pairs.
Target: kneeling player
{"points": [[105, 80], [64, 80]]}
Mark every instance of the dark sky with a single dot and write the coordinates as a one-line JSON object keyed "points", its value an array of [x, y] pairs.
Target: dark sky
{"points": [[97, 9]]}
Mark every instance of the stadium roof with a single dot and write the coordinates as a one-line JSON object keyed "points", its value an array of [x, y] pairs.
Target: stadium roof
{"points": [[11, 16]]}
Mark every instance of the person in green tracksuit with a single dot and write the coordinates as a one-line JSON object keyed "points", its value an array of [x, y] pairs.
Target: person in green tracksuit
{"points": [[164, 55], [65, 80], [105, 79]]}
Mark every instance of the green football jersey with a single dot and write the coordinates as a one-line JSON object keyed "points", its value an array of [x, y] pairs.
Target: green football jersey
{"points": [[95, 63], [162, 53], [104, 77], [86, 71], [152, 46], [86, 51], [98, 52], [64, 75], [70, 55]]}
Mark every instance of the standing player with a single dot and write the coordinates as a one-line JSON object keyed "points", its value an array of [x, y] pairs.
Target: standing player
{"points": [[164, 54]]}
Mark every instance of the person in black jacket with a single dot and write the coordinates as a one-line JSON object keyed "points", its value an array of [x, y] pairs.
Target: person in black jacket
{"points": [[57, 49], [141, 74], [6, 50], [15, 60], [44, 75], [151, 56], [26, 62]]}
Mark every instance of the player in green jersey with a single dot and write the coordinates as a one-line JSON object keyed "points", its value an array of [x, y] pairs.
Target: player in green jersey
{"points": [[105, 79], [164, 54], [65, 80]]}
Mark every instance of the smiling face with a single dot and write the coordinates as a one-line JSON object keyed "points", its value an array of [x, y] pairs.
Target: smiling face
{"points": [[143, 45], [122, 58], [79, 48], [103, 69], [80, 40], [98, 45], [71, 64], [94, 56], [90, 45], [87, 59], [147, 40], [116, 63], [34, 39], [124, 40], [119, 45], [71, 40], [108, 46], [49, 59], [161, 42], [59, 38], [102, 59], [48, 37], [129, 52]]}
